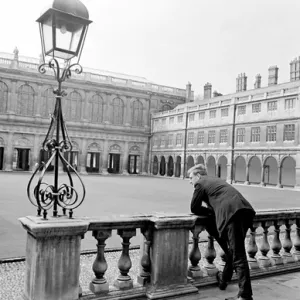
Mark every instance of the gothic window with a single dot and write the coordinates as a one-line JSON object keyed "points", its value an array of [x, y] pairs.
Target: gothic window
{"points": [[72, 107], [3, 97], [96, 109], [117, 111], [25, 104], [48, 102], [137, 113]]}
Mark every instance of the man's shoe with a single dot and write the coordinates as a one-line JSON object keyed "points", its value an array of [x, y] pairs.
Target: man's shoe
{"points": [[221, 284], [239, 298]]}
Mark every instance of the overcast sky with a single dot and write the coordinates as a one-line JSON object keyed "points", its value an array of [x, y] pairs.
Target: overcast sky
{"points": [[171, 42]]}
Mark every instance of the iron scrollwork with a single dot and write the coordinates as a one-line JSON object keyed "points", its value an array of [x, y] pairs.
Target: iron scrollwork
{"points": [[42, 194]]}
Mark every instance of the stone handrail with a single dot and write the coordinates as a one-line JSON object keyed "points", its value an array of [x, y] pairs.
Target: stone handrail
{"points": [[53, 254]]}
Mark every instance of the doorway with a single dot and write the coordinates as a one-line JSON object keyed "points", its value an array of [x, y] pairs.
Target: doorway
{"points": [[114, 163], [72, 158], [133, 164], [93, 162], [21, 159], [44, 156], [1, 157]]}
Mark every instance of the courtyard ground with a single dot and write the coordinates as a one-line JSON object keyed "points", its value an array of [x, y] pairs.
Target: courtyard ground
{"points": [[117, 195]]}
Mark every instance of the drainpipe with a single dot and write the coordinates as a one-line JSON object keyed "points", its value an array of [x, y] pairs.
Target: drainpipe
{"points": [[233, 143], [184, 146]]}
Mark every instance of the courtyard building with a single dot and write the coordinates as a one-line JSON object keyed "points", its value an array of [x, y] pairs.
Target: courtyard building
{"points": [[107, 116], [250, 136]]}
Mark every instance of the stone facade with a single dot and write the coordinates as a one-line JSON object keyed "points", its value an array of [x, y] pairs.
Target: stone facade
{"points": [[107, 116], [251, 136]]}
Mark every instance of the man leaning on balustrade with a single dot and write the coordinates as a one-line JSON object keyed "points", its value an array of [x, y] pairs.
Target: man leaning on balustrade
{"points": [[230, 215]]}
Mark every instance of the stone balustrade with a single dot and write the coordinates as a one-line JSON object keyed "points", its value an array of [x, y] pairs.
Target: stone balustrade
{"points": [[169, 265]]}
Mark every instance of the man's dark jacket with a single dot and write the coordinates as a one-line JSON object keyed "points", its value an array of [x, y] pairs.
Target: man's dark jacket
{"points": [[222, 198]]}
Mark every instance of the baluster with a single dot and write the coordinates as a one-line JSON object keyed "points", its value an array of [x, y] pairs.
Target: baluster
{"points": [[145, 274], [124, 281], [99, 283], [297, 241], [210, 255], [195, 254], [287, 244], [264, 247], [276, 245], [252, 249]]}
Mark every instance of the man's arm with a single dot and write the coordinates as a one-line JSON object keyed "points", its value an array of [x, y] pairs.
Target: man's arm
{"points": [[196, 203]]}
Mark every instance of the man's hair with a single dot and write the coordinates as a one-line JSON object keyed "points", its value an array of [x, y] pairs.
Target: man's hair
{"points": [[198, 169]]}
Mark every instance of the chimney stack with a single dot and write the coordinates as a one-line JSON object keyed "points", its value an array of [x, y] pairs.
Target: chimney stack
{"points": [[273, 75], [257, 84], [207, 90], [188, 93], [295, 69], [241, 82]]}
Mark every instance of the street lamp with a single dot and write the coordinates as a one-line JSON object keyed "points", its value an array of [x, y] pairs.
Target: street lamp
{"points": [[63, 28]]}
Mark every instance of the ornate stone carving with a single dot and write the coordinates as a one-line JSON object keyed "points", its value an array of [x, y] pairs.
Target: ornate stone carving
{"points": [[115, 148]]}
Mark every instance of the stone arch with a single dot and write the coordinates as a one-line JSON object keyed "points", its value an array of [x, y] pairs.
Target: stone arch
{"points": [[162, 167], [200, 160], [222, 167], [254, 169], [240, 169], [155, 165], [170, 171], [166, 107], [270, 175], [288, 171], [211, 166], [134, 149], [178, 166], [3, 97], [189, 163]]}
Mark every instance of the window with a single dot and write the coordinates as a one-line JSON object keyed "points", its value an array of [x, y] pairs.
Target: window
{"points": [[272, 105], [191, 138], [289, 132], [48, 103], [118, 111], [25, 105], [155, 141], [170, 140], [255, 134], [96, 109], [201, 115], [163, 121], [179, 139], [212, 114], [223, 136], [171, 120], [224, 112], [211, 136], [156, 123], [241, 110], [137, 113], [166, 107], [240, 135], [289, 103], [200, 137], [256, 107], [271, 133], [180, 119], [162, 141], [191, 117]]}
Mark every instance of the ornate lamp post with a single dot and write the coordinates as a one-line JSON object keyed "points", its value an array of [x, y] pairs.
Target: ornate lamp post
{"points": [[63, 29]]}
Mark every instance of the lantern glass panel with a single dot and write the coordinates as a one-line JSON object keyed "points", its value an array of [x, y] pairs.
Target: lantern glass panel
{"points": [[47, 36]]}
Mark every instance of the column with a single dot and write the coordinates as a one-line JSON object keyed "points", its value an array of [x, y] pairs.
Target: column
{"points": [[53, 257], [12, 98], [247, 174], [297, 171], [262, 176], [35, 152], [105, 158], [107, 109], [174, 168], [182, 175], [166, 169], [82, 158], [37, 101], [127, 113], [228, 178], [125, 159], [279, 185], [8, 153], [146, 160]]}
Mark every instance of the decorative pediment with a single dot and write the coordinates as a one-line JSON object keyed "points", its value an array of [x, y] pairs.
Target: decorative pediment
{"points": [[134, 148], [115, 148], [22, 142], [94, 147]]}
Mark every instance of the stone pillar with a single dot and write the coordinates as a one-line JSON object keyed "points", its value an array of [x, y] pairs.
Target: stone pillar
{"points": [[125, 159], [105, 158], [107, 109], [146, 162], [38, 101], [279, 185], [174, 168], [262, 176], [13, 97], [8, 153], [166, 169], [52, 258], [182, 175], [169, 258], [228, 178], [247, 174], [127, 112], [82, 158]]}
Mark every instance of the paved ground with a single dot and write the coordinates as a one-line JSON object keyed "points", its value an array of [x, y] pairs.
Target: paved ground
{"points": [[280, 287], [115, 195]]}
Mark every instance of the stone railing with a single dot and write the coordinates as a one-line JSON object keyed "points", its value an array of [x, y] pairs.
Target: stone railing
{"points": [[53, 255]]}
